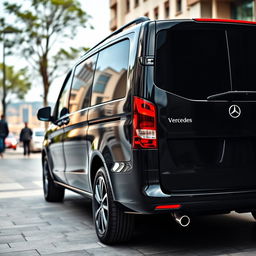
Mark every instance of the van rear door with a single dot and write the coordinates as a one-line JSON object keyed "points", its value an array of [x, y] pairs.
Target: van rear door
{"points": [[206, 142]]}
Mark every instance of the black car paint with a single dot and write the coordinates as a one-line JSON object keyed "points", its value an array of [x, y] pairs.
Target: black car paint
{"points": [[105, 136]]}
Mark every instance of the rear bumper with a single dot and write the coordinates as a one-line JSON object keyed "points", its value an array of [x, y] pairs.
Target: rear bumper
{"points": [[139, 190], [221, 202], [244, 201], [145, 200]]}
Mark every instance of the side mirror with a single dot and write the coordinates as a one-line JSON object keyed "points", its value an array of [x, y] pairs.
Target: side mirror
{"points": [[44, 114]]}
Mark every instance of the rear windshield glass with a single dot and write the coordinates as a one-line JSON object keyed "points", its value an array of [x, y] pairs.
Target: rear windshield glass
{"points": [[196, 61], [242, 45]]}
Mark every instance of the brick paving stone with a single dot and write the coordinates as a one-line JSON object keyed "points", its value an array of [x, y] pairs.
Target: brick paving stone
{"points": [[41, 233], [38, 225], [52, 236], [44, 243], [67, 246], [17, 230], [81, 234], [56, 228], [112, 251], [3, 246], [27, 220], [69, 253], [11, 239], [21, 253]]}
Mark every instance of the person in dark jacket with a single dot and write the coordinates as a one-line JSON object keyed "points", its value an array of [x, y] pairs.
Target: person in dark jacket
{"points": [[4, 131], [25, 137]]}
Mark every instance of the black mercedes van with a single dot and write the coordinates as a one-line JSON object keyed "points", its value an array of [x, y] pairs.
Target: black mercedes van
{"points": [[158, 117]]}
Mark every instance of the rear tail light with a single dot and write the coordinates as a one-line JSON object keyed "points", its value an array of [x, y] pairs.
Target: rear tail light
{"points": [[144, 124]]}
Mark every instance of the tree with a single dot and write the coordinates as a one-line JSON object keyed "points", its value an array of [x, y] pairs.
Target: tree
{"points": [[17, 82], [45, 24], [7, 44]]}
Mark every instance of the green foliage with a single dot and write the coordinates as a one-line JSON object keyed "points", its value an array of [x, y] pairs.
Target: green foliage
{"points": [[17, 82], [6, 35], [44, 25], [65, 56]]}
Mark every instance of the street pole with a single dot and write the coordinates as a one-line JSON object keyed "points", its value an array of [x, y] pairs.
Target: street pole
{"points": [[5, 30], [4, 79]]}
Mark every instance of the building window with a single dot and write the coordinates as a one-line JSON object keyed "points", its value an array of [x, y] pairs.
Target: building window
{"points": [[99, 100], [146, 14], [101, 83], [136, 3], [166, 9], [243, 10], [156, 13], [178, 6], [127, 6]]}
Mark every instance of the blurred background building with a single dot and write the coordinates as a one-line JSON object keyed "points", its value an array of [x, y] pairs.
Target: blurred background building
{"points": [[18, 113], [123, 11]]}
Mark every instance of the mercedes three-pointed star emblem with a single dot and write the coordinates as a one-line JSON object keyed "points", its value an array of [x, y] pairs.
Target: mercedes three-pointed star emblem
{"points": [[234, 111]]}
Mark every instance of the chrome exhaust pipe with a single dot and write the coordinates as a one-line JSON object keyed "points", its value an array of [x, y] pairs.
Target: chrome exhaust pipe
{"points": [[183, 220]]}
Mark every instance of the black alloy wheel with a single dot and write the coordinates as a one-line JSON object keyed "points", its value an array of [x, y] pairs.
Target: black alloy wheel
{"points": [[111, 223]]}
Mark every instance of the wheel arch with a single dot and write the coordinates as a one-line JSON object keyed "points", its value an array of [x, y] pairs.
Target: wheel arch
{"points": [[45, 155], [97, 161]]}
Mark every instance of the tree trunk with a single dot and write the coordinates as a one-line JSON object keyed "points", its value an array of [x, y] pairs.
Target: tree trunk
{"points": [[45, 79], [4, 80]]}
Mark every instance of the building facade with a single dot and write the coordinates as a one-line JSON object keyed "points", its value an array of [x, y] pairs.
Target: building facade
{"points": [[123, 11], [18, 113]]}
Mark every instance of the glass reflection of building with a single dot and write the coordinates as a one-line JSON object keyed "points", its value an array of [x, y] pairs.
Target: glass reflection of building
{"points": [[80, 93], [109, 84]]}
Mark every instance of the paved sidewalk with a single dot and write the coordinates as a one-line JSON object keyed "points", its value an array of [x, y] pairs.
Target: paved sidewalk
{"points": [[18, 154], [30, 226]]}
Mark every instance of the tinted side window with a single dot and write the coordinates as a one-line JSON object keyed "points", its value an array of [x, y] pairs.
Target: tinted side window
{"points": [[192, 63], [64, 97], [81, 86], [111, 73]]}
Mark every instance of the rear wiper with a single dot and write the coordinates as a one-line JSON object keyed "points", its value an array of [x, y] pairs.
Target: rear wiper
{"points": [[234, 95]]}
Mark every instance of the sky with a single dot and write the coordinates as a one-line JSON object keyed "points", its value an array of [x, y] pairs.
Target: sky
{"points": [[100, 12]]}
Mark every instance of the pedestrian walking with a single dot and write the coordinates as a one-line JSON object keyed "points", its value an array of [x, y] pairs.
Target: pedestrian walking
{"points": [[4, 131], [25, 137]]}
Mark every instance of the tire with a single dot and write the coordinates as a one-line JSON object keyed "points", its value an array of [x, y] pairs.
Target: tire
{"points": [[253, 214], [111, 223], [52, 192]]}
